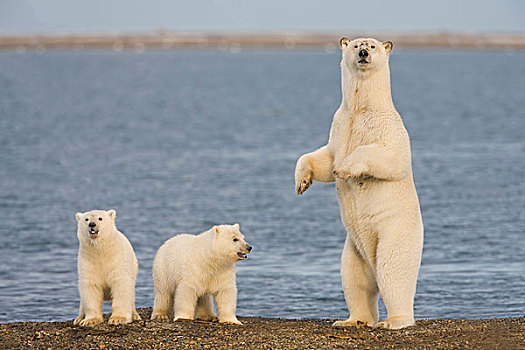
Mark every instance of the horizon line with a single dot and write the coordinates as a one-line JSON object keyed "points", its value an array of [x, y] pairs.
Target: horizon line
{"points": [[235, 41]]}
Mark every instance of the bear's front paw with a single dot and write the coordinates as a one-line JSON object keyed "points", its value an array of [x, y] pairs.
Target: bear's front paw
{"points": [[303, 181], [91, 321], [358, 169], [341, 173], [119, 320], [78, 320], [355, 170]]}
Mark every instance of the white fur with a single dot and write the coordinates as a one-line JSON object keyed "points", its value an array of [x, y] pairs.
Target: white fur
{"points": [[368, 156], [107, 270], [189, 269]]}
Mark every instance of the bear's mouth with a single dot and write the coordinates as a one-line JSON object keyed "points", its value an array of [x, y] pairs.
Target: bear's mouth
{"points": [[93, 232], [242, 255], [363, 61]]}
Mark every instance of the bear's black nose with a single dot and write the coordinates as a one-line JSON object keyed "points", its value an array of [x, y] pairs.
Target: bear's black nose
{"points": [[92, 224], [249, 247], [363, 53]]}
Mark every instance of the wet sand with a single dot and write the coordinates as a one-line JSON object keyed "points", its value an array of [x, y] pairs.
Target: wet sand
{"points": [[264, 333]]}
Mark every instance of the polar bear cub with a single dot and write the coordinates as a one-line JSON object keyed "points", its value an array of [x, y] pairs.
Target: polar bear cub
{"points": [[189, 269], [107, 270]]}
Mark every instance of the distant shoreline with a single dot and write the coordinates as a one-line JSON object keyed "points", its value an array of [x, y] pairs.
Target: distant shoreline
{"points": [[264, 333], [236, 42]]}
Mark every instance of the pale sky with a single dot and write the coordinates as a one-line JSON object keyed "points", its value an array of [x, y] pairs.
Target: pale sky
{"points": [[37, 16]]}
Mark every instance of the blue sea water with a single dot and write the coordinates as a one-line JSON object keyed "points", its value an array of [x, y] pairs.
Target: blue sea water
{"points": [[179, 141]]}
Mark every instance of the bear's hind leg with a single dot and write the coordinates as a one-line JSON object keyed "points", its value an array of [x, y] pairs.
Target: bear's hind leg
{"points": [[204, 309], [360, 288], [398, 260], [163, 304]]}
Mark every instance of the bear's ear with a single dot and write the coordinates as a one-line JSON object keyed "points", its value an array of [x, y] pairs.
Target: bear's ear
{"points": [[112, 213], [388, 45], [344, 42], [236, 226], [216, 231], [78, 216]]}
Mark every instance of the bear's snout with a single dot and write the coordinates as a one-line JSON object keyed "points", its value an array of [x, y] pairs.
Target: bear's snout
{"points": [[93, 231], [363, 53]]}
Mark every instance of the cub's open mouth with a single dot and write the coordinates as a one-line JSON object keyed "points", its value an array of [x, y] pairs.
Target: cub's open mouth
{"points": [[241, 255], [93, 232]]}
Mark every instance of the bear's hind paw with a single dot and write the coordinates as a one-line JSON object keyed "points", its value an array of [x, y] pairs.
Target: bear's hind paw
{"points": [[160, 317], [91, 321], [211, 317], [351, 322], [230, 321], [397, 322], [119, 320]]}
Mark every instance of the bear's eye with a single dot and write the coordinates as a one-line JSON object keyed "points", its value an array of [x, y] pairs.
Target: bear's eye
{"points": [[373, 47], [355, 46], [87, 219], [235, 239], [99, 219]]}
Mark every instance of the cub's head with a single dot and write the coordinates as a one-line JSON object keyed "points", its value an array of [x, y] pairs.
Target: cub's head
{"points": [[230, 243], [365, 54], [94, 224]]}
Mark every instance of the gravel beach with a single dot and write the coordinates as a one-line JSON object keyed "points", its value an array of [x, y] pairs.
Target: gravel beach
{"points": [[264, 333]]}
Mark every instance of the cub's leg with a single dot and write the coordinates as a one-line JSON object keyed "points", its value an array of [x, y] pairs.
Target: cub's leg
{"points": [[91, 298], [204, 309], [122, 303], [359, 286], [317, 165], [226, 301], [135, 315], [80, 316], [163, 304], [185, 303], [398, 260]]}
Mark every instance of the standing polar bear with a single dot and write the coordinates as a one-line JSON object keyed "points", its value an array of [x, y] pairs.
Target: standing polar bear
{"points": [[189, 269], [368, 157], [107, 270]]}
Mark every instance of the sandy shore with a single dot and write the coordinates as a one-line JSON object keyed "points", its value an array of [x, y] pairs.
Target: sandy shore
{"points": [[262, 333], [236, 42]]}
